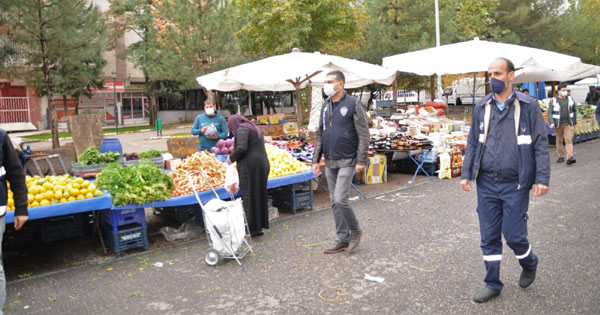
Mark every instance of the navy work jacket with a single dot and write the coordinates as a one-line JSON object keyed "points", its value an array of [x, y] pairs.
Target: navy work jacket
{"points": [[531, 144]]}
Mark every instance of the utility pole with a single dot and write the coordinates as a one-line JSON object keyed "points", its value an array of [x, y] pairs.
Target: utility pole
{"points": [[437, 44], [115, 97]]}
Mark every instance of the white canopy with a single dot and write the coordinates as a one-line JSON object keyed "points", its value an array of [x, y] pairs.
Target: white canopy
{"points": [[572, 72], [294, 70], [474, 56], [589, 81]]}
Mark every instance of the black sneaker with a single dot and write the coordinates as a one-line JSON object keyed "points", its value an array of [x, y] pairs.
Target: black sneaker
{"points": [[485, 295], [527, 278], [571, 161], [560, 160]]}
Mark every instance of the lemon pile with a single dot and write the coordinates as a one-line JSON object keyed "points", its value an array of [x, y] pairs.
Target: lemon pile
{"points": [[283, 163], [55, 189]]}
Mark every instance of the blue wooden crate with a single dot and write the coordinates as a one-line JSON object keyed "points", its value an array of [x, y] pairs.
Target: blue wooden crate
{"points": [[127, 237], [116, 218]]}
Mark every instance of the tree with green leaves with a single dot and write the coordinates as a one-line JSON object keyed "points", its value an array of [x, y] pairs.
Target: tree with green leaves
{"points": [[56, 35], [179, 40], [578, 31], [77, 80], [270, 27]]}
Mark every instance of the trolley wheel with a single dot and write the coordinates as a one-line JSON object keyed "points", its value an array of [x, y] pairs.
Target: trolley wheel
{"points": [[211, 257]]}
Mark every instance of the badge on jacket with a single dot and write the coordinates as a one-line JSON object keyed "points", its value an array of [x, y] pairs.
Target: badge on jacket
{"points": [[344, 111]]}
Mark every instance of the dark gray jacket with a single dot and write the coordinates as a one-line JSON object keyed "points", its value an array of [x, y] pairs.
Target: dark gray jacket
{"points": [[355, 136]]}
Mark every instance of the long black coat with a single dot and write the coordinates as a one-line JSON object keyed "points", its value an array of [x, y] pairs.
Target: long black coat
{"points": [[253, 169]]}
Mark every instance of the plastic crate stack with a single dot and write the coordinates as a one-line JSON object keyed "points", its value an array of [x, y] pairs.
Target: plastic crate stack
{"points": [[124, 229], [66, 226], [180, 214], [293, 197]]}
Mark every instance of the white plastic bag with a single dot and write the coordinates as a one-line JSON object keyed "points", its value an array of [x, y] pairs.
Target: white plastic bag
{"points": [[232, 181], [225, 224]]}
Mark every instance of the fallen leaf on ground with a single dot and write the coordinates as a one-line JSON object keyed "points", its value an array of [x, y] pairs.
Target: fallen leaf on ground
{"points": [[209, 290], [426, 270], [311, 245]]}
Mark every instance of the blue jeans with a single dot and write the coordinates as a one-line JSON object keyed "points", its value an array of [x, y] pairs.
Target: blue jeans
{"points": [[339, 181], [2, 277]]}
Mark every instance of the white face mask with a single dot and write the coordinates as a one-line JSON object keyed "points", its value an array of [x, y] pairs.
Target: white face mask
{"points": [[564, 93], [209, 111], [329, 89]]}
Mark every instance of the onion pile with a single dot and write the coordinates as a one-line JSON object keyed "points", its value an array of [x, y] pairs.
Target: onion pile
{"points": [[223, 147]]}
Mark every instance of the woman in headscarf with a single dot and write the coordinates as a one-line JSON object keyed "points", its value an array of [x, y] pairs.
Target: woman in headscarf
{"points": [[253, 169]]}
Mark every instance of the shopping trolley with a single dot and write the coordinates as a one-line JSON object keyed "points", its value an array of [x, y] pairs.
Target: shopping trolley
{"points": [[225, 224]]}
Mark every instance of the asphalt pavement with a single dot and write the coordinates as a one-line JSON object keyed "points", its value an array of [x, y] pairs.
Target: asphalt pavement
{"points": [[423, 240]]}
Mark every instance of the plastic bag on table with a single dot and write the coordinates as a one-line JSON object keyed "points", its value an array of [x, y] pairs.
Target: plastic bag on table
{"points": [[232, 181], [188, 229]]}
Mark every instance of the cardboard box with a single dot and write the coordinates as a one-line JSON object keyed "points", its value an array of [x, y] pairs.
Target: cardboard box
{"points": [[290, 128], [172, 164], [275, 130], [264, 129], [276, 119], [376, 173], [262, 120]]}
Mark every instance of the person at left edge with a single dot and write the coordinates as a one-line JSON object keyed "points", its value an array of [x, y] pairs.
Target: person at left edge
{"points": [[11, 170], [203, 121]]}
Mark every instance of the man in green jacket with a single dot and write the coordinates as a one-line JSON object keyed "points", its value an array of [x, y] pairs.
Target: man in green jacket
{"points": [[204, 121], [562, 117]]}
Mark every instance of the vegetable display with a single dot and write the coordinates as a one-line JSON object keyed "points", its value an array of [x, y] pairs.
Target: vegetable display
{"points": [[141, 183], [283, 163], [43, 191], [92, 156], [144, 155], [208, 163], [150, 154], [223, 147]]}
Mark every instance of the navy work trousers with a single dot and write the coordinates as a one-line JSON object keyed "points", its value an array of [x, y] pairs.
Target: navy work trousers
{"points": [[502, 209]]}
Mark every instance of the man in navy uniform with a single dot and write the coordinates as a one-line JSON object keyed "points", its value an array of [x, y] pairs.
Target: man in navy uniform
{"points": [[507, 155]]}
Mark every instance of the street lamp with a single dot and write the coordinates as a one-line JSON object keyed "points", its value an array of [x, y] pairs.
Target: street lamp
{"points": [[437, 44], [115, 97]]}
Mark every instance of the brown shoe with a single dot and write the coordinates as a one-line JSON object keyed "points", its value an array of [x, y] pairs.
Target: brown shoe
{"points": [[355, 241], [336, 248]]}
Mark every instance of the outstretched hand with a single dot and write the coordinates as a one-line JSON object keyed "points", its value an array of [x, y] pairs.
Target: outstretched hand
{"points": [[466, 184], [540, 190]]}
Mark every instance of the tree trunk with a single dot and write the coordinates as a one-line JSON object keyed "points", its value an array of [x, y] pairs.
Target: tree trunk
{"points": [[432, 87], [77, 106], [299, 110], [66, 106], [48, 83], [309, 102]]}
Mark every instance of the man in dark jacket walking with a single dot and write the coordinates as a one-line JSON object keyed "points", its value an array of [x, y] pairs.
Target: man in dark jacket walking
{"points": [[11, 170], [343, 138], [507, 154]]}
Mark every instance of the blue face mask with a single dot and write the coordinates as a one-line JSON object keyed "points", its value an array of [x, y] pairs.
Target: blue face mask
{"points": [[497, 85]]}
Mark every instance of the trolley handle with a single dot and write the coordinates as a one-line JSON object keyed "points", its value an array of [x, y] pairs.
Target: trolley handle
{"points": [[191, 181]]}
